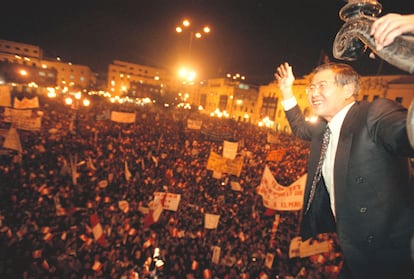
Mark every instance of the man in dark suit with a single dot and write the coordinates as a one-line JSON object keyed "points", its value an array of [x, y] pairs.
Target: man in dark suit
{"points": [[362, 185]]}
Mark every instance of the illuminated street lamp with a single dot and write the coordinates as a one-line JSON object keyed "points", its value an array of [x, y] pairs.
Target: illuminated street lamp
{"points": [[236, 76], [74, 104], [193, 34], [186, 75]]}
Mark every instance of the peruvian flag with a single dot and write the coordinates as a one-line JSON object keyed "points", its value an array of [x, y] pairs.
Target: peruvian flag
{"points": [[155, 212], [97, 230]]}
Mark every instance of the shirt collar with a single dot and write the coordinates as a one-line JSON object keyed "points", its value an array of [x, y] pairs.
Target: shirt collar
{"points": [[336, 122]]}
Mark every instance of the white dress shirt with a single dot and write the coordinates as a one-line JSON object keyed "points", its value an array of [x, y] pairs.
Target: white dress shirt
{"points": [[328, 164]]}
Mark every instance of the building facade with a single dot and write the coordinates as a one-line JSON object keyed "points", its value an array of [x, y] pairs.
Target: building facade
{"points": [[24, 65], [125, 78], [71, 77], [226, 98]]}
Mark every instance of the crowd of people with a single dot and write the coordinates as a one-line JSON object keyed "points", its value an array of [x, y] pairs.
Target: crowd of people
{"points": [[68, 173]]}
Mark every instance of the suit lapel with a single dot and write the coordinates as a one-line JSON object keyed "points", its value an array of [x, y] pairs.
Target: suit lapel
{"points": [[343, 154]]}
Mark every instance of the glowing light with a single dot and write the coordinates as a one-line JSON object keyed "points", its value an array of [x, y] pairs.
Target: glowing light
{"points": [[86, 102], [68, 101], [186, 22], [51, 92], [265, 122]]}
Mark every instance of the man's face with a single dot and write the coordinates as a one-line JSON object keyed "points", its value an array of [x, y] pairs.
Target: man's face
{"points": [[325, 96]]}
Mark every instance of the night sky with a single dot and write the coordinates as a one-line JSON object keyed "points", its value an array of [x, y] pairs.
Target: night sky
{"points": [[250, 37]]}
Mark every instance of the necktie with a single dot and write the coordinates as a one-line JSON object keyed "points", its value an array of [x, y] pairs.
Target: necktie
{"points": [[318, 173]]}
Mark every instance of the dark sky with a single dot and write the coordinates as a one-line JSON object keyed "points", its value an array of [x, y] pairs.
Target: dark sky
{"points": [[251, 37]]}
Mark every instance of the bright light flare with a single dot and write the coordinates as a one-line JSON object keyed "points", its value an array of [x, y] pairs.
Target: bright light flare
{"points": [[68, 101], [86, 103], [186, 22]]}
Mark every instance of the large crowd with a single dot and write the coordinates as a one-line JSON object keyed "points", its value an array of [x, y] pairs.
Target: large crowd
{"points": [[68, 173]]}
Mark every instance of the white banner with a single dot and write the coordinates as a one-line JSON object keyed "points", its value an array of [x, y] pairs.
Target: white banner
{"points": [[5, 96], [194, 124], [12, 140], [123, 117], [230, 149], [307, 248], [278, 197], [211, 221], [171, 202], [215, 259], [26, 103], [23, 119]]}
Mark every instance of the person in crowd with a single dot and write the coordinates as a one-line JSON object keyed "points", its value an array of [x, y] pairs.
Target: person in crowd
{"points": [[360, 184], [45, 214]]}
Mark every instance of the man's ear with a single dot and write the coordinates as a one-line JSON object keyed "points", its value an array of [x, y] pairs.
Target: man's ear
{"points": [[349, 91]]}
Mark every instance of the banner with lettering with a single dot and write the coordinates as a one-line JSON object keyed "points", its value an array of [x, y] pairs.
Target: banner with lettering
{"points": [[171, 200], [307, 248], [23, 119], [194, 124], [219, 164], [230, 149], [278, 197], [26, 103]]}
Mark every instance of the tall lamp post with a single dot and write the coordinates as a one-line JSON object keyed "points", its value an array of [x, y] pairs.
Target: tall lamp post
{"points": [[194, 34]]}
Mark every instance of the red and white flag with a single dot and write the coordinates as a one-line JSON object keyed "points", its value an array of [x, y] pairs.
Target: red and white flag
{"points": [[155, 212], [97, 230]]}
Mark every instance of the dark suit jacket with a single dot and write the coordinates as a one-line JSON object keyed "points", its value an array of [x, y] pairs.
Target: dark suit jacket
{"points": [[374, 187]]}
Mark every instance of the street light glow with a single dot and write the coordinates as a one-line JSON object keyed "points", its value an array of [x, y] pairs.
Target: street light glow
{"points": [[68, 101], [86, 102], [186, 22]]}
